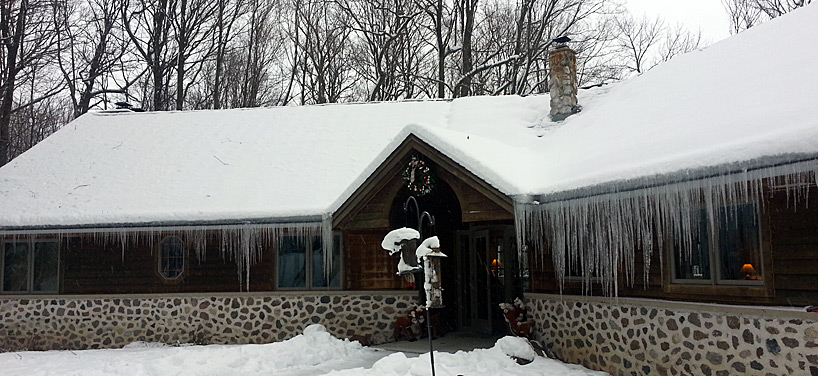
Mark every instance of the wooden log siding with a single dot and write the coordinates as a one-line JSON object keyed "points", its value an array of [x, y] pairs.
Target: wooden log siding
{"points": [[368, 266], [94, 267], [789, 235], [794, 239]]}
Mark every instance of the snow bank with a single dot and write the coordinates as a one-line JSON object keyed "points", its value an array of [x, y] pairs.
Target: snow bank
{"points": [[313, 353], [479, 362], [516, 347]]}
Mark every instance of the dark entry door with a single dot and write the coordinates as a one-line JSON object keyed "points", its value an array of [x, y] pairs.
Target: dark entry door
{"points": [[483, 255], [474, 294]]}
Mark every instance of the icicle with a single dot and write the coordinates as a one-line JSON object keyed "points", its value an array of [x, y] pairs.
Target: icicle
{"points": [[327, 240], [601, 231]]}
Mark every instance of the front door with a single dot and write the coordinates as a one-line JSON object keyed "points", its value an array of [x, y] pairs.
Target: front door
{"points": [[481, 278]]}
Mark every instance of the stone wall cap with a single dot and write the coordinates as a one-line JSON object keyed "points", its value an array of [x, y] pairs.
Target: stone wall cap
{"points": [[214, 295], [771, 312]]}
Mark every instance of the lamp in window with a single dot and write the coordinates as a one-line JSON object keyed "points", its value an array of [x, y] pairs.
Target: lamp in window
{"points": [[749, 271], [495, 266]]}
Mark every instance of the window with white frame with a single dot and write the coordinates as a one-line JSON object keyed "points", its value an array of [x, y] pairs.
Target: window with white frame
{"points": [[30, 267], [302, 263], [171, 257], [725, 250]]}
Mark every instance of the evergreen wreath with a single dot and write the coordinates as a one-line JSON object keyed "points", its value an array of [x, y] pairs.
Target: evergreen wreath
{"points": [[418, 177]]}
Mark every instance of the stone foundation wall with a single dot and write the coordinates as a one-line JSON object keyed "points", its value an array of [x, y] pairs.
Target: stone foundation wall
{"points": [[30, 323], [651, 337]]}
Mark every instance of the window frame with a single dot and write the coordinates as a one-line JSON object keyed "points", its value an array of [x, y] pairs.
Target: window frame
{"points": [[159, 258], [30, 267], [308, 263], [715, 254]]}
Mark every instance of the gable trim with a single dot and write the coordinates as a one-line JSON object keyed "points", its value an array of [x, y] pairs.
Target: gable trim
{"points": [[393, 164]]}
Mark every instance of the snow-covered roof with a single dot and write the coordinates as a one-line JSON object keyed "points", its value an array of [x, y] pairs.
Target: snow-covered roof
{"points": [[746, 101]]}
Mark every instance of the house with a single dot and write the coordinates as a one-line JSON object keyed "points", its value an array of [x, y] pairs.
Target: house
{"points": [[666, 228]]}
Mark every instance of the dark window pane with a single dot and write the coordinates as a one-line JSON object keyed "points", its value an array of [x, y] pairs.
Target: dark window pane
{"points": [[15, 267], [319, 271], [172, 257], [696, 265], [319, 277], [335, 270], [292, 266], [739, 246], [483, 282], [46, 264]]}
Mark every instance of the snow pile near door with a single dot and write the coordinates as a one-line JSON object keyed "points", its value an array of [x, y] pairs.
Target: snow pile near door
{"points": [[479, 362]]}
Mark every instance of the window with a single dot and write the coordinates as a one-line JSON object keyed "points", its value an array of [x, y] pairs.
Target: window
{"points": [[171, 257], [301, 259], [726, 252], [30, 267]]}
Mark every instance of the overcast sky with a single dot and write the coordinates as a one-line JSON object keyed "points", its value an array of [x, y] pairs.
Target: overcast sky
{"points": [[709, 15]]}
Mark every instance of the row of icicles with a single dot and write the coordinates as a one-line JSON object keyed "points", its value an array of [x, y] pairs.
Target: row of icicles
{"points": [[243, 244], [602, 233]]}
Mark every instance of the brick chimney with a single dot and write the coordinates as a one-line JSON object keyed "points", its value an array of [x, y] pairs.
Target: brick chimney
{"points": [[562, 80]]}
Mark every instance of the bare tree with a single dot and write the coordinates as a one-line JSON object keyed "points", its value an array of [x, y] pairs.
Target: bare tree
{"points": [[92, 47], [256, 58], [775, 8], [35, 122], [149, 29], [637, 37], [382, 28], [678, 40], [193, 25], [598, 57], [323, 39], [227, 12], [27, 47], [466, 12], [441, 25], [742, 15], [745, 14]]}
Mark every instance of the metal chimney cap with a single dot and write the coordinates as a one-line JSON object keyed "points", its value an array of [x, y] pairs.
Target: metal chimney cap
{"points": [[562, 40]]}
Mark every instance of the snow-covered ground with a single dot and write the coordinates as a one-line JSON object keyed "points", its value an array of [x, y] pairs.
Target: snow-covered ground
{"points": [[315, 352]]}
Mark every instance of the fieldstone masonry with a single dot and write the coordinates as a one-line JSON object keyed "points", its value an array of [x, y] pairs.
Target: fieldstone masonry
{"points": [[109, 322], [562, 82], [644, 337]]}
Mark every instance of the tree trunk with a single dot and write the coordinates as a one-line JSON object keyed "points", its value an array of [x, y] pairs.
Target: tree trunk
{"points": [[441, 51], [217, 79], [158, 41], [469, 9], [182, 50], [13, 42]]}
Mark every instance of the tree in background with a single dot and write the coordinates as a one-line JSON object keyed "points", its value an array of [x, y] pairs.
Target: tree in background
{"points": [[149, 28], [745, 14], [27, 51], [644, 43], [62, 58], [92, 48]]}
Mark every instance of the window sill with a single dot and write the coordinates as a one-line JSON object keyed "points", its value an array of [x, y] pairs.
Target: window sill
{"points": [[724, 290]]}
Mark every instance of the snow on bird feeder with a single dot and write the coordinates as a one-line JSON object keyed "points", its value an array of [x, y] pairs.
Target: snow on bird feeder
{"points": [[404, 241], [429, 254]]}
